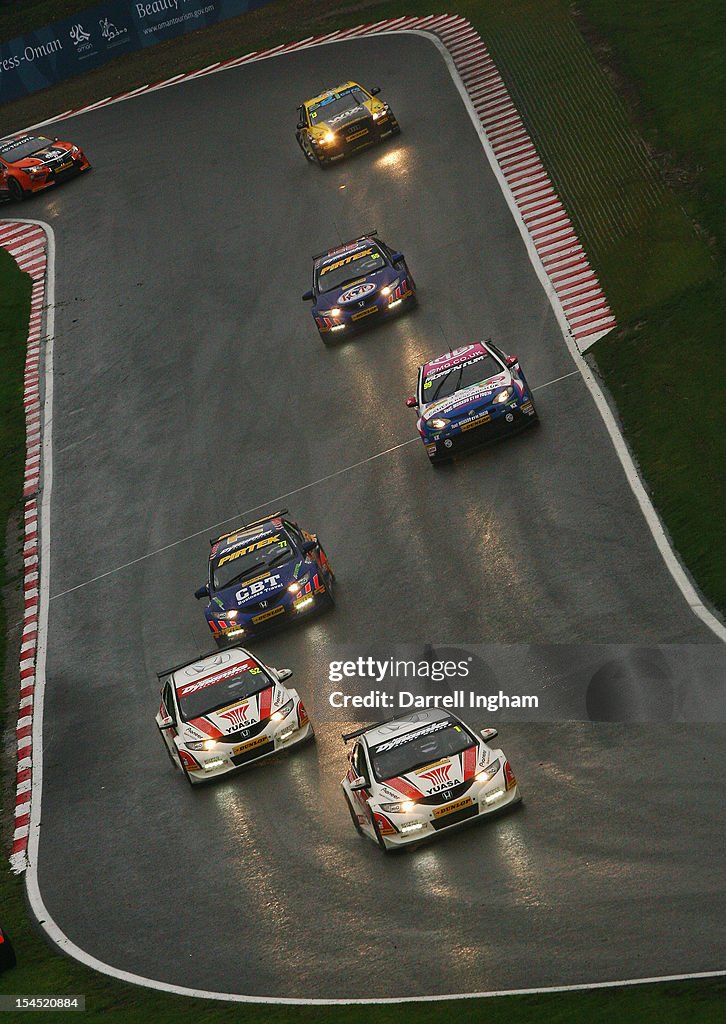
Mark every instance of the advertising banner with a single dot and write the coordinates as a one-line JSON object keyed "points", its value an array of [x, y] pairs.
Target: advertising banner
{"points": [[98, 34]]}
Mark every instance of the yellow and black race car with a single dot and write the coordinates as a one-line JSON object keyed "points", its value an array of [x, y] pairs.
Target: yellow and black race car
{"points": [[341, 120]]}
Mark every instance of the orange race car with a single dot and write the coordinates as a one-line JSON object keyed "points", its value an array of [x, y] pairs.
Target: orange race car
{"points": [[30, 163]]}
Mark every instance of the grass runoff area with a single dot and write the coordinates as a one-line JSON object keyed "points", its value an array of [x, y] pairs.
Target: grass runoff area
{"points": [[625, 104]]}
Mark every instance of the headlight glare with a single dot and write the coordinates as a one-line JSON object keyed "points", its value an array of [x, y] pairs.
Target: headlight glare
{"points": [[402, 807], [296, 586], [438, 423], [283, 712], [488, 773], [502, 397], [201, 744]]}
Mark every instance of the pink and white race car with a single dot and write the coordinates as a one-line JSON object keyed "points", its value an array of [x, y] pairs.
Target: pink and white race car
{"points": [[469, 395]]}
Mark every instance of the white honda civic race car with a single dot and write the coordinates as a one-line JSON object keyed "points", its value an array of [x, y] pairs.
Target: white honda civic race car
{"points": [[423, 773], [225, 710]]}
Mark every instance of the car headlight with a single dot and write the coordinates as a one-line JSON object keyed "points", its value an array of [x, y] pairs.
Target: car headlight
{"points": [[295, 587], [503, 396], [328, 138], [35, 169], [283, 712], [330, 312], [230, 615], [200, 744], [438, 423], [75, 150], [403, 807], [388, 288], [488, 773]]}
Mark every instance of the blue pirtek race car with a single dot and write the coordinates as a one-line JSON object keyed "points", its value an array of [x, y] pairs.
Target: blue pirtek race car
{"points": [[470, 395], [263, 574], [358, 284]]}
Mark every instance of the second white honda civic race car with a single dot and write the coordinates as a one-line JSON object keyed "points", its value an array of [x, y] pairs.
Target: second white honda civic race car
{"points": [[423, 773], [226, 709]]}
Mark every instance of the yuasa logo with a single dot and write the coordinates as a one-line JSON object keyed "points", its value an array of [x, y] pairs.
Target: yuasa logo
{"points": [[237, 716], [438, 777]]}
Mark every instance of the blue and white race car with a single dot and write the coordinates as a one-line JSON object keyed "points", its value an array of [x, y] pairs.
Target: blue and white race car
{"points": [[471, 394], [358, 284], [263, 574]]}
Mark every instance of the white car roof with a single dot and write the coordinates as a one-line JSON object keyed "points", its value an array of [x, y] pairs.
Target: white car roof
{"points": [[405, 724], [209, 666]]}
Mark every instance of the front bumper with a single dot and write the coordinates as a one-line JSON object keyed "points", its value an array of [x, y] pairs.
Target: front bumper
{"points": [[373, 312], [248, 624], [482, 428], [205, 765], [72, 168], [489, 800], [366, 133]]}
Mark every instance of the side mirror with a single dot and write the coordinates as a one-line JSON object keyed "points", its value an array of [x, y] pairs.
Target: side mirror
{"points": [[308, 546], [283, 674], [374, 92], [512, 360], [308, 296], [167, 722], [201, 592], [397, 257], [489, 734], [412, 403], [301, 124], [360, 783]]}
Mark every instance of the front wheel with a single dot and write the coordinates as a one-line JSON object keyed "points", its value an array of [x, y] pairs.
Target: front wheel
{"points": [[353, 815], [15, 189], [379, 838], [166, 748], [185, 772]]}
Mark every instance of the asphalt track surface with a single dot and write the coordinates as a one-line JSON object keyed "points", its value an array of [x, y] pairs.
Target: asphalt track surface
{"points": [[190, 386]]}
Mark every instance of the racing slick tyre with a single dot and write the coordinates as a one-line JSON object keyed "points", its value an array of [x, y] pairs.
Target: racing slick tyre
{"points": [[185, 773], [379, 838], [306, 153], [16, 190], [353, 815], [168, 752]]}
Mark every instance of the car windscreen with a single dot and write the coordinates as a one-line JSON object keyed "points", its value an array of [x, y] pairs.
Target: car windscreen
{"points": [[18, 150], [200, 696], [350, 268], [338, 104], [442, 383], [251, 557], [415, 749]]}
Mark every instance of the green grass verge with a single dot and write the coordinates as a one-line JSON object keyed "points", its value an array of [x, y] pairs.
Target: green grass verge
{"points": [[664, 281], [40, 971]]}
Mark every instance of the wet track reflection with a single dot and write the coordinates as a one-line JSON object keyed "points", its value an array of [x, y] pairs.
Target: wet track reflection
{"points": [[190, 386]]}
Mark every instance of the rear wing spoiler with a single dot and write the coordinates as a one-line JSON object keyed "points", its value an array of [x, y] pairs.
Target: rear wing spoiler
{"points": [[246, 526], [184, 664], [346, 736], [342, 245]]}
